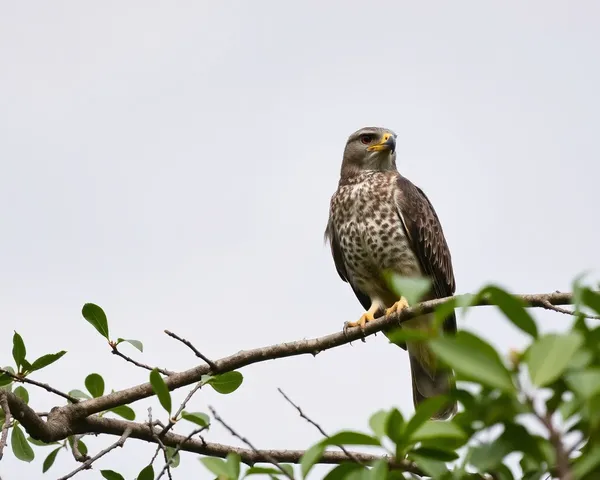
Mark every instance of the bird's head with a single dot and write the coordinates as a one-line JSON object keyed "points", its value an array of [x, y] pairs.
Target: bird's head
{"points": [[370, 148]]}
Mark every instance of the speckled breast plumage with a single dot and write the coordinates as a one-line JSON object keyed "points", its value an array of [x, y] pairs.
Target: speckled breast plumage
{"points": [[370, 232]]}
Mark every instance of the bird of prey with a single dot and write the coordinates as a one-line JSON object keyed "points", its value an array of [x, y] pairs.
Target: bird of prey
{"points": [[381, 222]]}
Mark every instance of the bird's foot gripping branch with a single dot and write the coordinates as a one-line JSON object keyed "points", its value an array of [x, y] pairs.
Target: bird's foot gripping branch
{"points": [[540, 402]]}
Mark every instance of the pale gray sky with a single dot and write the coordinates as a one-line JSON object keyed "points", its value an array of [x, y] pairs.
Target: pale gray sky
{"points": [[173, 162]]}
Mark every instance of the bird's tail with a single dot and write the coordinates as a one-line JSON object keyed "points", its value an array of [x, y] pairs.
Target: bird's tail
{"points": [[428, 379]]}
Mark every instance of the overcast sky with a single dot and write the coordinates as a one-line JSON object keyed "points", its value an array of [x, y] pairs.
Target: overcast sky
{"points": [[173, 162]]}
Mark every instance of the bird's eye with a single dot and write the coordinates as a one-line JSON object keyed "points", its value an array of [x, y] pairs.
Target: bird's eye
{"points": [[366, 139]]}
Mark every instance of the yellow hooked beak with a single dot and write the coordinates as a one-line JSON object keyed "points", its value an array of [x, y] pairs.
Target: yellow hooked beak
{"points": [[388, 142]]}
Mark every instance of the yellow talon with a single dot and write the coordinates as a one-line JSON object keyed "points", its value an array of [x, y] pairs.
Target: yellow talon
{"points": [[362, 321], [397, 307]]}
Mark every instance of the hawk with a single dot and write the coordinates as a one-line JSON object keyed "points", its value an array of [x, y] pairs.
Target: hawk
{"points": [[381, 222]]}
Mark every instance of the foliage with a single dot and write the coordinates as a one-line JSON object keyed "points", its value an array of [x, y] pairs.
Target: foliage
{"points": [[527, 416]]}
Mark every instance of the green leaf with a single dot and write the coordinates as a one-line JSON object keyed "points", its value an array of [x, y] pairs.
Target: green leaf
{"points": [[436, 454], [288, 469], [473, 358], [124, 411], [591, 299], [310, 457], [343, 471], [39, 443], [401, 335], [136, 343], [433, 468], [49, 461], [79, 394], [424, 412], [261, 471], [350, 438], [569, 408], [95, 384], [233, 463], [488, 456], [147, 473], [199, 418], [46, 360], [96, 316], [80, 445], [379, 471], [20, 446], [586, 383], [444, 310], [411, 288], [548, 357], [22, 393], [528, 465], [581, 359], [173, 457], [18, 351], [111, 475], [394, 426], [226, 383], [6, 379], [435, 430], [502, 472], [587, 462], [377, 422], [160, 388], [513, 308], [217, 466]]}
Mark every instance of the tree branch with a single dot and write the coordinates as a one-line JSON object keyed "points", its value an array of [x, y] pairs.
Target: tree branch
{"points": [[177, 449], [197, 352], [118, 353], [79, 418], [270, 459], [119, 443], [7, 418], [318, 427], [301, 347], [140, 431], [548, 306], [45, 386]]}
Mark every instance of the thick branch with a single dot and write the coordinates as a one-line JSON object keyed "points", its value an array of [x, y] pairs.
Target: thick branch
{"points": [[248, 456], [7, 419], [301, 347]]}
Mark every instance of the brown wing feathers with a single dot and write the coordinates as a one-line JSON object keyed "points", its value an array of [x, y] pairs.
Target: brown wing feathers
{"points": [[427, 239]]}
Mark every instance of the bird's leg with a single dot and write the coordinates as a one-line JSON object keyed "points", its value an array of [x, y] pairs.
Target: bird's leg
{"points": [[397, 307], [366, 317]]}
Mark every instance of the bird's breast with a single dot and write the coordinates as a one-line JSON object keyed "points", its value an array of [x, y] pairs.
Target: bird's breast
{"points": [[370, 232]]}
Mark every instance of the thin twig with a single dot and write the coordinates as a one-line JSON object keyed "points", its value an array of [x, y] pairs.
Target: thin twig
{"points": [[119, 443], [116, 351], [318, 427], [563, 468], [45, 386], [173, 419], [79, 457], [187, 343], [178, 448], [155, 456], [161, 445], [548, 306], [7, 418], [247, 442]]}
